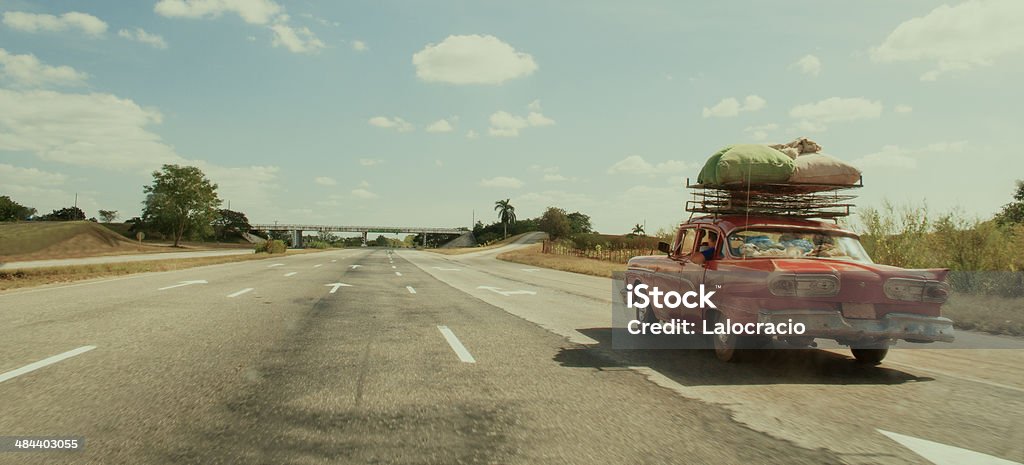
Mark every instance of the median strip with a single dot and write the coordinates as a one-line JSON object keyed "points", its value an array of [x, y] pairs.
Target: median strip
{"points": [[44, 362], [456, 345]]}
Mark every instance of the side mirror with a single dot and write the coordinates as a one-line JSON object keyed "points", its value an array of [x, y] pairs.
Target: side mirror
{"points": [[663, 247]]}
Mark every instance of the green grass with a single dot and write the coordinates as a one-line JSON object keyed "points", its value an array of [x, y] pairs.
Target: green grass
{"points": [[24, 238]]}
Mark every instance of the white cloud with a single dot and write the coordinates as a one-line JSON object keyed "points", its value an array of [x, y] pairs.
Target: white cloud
{"points": [[140, 35], [439, 163], [471, 134], [809, 64], [635, 164], [505, 124], [395, 123], [760, 133], [961, 37], [903, 109], [370, 161], [325, 181], [296, 40], [251, 11], [111, 133], [814, 116], [894, 156], [359, 46], [441, 125], [730, 106], [29, 176], [82, 129], [472, 59], [502, 182], [555, 177], [27, 71], [263, 12], [363, 194], [36, 22]]}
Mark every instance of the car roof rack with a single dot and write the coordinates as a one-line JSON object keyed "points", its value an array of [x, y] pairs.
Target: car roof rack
{"points": [[823, 201]]}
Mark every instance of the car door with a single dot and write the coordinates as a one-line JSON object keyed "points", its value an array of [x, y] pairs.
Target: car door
{"points": [[679, 274]]}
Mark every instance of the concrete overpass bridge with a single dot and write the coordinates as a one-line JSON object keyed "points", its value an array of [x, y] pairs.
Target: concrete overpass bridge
{"points": [[297, 229]]}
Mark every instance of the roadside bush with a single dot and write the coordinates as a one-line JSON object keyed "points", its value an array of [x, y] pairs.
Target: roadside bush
{"points": [[274, 246], [317, 245]]}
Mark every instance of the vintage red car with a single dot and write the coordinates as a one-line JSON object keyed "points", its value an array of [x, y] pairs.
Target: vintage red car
{"points": [[774, 270]]}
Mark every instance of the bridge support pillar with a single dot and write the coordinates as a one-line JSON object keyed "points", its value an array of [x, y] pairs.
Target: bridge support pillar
{"points": [[364, 237], [424, 238], [297, 239]]}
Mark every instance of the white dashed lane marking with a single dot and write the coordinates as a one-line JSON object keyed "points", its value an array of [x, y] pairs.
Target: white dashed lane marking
{"points": [[456, 345], [243, 291], [44, 362]]}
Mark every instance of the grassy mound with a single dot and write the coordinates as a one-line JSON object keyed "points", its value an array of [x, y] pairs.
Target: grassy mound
{"points": [[43, 240]]}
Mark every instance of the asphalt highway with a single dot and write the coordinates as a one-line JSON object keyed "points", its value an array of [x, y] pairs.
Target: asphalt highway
{"points": [[366, 356]]}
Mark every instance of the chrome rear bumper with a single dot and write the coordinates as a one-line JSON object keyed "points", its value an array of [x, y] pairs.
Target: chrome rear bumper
{"points": [[832, 325]]}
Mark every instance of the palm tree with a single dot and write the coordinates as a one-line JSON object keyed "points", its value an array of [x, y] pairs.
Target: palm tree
{"points": [[639, 230], [506, 213]]}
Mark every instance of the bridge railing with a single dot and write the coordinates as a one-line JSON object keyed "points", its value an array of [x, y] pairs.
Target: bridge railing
{"points": [[377, 229]]}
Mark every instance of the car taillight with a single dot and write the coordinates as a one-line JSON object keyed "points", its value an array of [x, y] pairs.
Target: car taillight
{"points": [[804, 285], [916, 290]]}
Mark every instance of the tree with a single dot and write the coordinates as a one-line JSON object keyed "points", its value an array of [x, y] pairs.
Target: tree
{"points": [[639, 230], [65, 214], [230, 221], [555, 222], [1013, 212], [14, 211], [108, 216], [579, 223], [180, 200], [506, 213]]}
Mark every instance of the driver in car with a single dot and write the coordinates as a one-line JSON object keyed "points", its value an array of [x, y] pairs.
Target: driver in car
{"points": [[706, 250]]}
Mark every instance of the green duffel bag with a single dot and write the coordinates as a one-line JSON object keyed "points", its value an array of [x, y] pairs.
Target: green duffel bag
{"points": [[753, 163], [709, 174]]}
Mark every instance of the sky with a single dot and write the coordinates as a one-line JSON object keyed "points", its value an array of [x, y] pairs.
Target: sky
{"points": [[425, 113]]}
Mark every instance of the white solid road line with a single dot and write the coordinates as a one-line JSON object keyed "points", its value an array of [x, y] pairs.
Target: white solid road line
{"points": [[411, 290], [318, 265], [457, 346], [293, 273], [44, 362], [243, 291], [941, 454], [276, 264], [398, 273], [184, 283], [961, 378], [497, 290]]}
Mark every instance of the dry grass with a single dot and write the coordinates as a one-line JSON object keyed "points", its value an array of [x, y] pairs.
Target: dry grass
{"points": [[462, 250], [29, 277], [992, 314], [532, 255]]}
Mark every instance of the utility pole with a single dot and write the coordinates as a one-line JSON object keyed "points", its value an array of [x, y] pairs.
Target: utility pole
{"points": [[76, 199]]}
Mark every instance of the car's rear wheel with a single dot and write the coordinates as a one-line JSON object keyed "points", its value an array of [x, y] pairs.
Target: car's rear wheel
{"points": [[869, 356], [734, 347]]}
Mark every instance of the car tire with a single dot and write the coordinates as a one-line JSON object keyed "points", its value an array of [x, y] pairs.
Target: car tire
{"points": [[728, 347], [872, 356], [645, 315]]}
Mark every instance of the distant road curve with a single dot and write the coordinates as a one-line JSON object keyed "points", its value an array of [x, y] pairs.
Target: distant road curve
{"points": [[122, 258]]}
